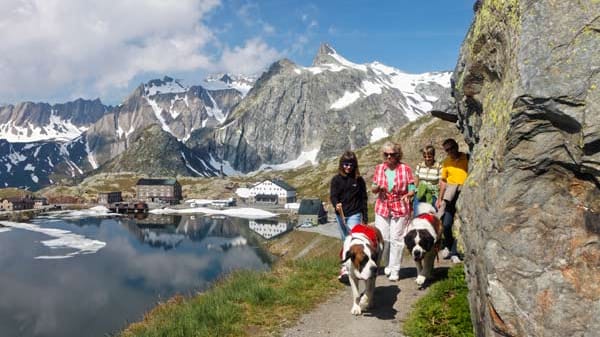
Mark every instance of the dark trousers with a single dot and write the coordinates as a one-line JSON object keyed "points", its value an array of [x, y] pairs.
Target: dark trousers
{"points": [[447, 220]]}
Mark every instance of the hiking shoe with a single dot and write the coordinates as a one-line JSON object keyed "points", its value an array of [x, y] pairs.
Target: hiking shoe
{"points": [[445, 253], [387, 271], [394, 277], [455, 259]]}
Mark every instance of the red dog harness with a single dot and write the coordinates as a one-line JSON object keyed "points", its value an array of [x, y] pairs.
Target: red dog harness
{"points": [[366, 230], [428, 217]]}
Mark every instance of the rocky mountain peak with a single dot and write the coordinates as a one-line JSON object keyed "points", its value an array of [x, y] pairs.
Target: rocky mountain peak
{"points": [[325, 55], [164, 85]]}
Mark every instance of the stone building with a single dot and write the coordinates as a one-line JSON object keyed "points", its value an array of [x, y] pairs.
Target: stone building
{"points": [[159, 190], [109, 197]]}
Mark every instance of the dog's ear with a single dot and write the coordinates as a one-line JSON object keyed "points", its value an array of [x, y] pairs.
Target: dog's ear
{"points": [[349, 255]]}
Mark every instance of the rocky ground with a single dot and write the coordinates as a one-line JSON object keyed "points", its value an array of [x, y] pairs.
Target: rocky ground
{"points": [[393, 304]]}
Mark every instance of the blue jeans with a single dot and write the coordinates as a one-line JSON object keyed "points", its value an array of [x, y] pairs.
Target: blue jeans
{"points": [[351, 221]]}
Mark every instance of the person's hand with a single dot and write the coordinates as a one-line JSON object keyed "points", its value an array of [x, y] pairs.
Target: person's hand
{"points": [[338, 207], [407, 196], [438, 203]]}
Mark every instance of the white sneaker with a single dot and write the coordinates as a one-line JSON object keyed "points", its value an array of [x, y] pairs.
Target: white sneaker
{"points": [[455, 259], [387, 271], [445, 253], [394, 277]]}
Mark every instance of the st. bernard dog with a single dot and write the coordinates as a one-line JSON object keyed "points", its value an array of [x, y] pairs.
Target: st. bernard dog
{"points": [[361, 253], [423, 240]]}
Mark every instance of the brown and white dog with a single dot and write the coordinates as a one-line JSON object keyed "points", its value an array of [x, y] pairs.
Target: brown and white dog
{"points": [[423, 241], [361, 253]]}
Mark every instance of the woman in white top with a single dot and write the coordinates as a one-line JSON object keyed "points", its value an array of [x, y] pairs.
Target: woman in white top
{"points": [[427, 177]]}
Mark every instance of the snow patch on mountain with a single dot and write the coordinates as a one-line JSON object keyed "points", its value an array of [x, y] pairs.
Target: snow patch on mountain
{"points": [[215, 111], [57, 129], [346, 100], [377, 134], [164, 86], [241, 83], [90, 155], [303, 158], [158, 114], [225, 165]]}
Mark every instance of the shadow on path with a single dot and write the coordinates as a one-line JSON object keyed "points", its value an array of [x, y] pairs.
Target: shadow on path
{"points": [[385, 298]]}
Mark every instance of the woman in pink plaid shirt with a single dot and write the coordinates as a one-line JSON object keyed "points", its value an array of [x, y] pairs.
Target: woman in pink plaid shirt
{"points": [[394, 184]]}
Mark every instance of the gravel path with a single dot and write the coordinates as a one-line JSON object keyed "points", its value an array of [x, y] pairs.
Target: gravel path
{"points": [[393, 302]]}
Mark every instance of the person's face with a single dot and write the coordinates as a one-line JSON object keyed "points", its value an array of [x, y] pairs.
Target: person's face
{"points": [[429, 158], [451, 150], [390, 156], [348, 166]]}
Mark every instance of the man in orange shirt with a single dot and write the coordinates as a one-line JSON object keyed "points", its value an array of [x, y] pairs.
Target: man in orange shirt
{"points": [[453, 176]]}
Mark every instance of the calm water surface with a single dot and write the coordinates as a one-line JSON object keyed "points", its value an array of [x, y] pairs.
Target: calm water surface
{"points": [[91, 276]]}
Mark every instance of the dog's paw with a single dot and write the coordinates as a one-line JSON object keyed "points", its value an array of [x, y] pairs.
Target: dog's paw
{"points": [[364, 302], [420, 280], [356, 310]]}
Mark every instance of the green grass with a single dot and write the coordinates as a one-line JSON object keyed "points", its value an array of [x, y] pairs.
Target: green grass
{"points": [[444, 311], [245, 303]]}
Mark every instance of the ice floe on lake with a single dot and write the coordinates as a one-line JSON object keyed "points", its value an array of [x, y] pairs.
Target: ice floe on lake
{"points": [[97, 211], [64, 239], [246, 213]]}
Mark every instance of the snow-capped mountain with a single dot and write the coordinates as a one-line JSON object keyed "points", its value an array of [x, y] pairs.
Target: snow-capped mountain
{"points": [[288, 116], [31, 122], [241, 83], [38, 164], [176, 108], [296, 113]]}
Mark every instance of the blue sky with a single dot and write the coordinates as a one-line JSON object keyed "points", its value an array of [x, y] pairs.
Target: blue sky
{"points": [[59, 50]]}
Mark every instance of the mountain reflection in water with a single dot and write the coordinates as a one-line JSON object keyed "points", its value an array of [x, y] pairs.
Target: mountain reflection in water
{"points": [[145, 260]]}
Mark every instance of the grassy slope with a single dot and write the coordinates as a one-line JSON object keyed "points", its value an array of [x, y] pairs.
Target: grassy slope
{"points": [[444, 311], [249, 303]]}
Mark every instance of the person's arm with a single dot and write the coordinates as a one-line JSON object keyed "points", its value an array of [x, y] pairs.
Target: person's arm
{"points": [[411, 184], [417, 176], [334, 192], [375, 188], [440, 198]]}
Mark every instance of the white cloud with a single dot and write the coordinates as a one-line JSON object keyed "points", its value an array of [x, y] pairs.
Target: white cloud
{"points": [[93, 46], [253, 57]]}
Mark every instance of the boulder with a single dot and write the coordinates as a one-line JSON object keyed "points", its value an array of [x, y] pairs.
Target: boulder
{"points": [[527, 93]]}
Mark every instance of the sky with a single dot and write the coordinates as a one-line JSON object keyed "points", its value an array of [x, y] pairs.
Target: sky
{"points": [[59, 50]]}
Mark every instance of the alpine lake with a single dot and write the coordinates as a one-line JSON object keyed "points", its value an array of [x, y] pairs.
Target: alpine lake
{"points": [[67, 275]]}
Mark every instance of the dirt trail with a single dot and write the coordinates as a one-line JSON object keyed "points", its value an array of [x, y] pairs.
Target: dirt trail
{"points": [[393, 302]]}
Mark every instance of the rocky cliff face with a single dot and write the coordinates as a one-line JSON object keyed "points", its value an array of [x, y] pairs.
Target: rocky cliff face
{"points": [[31, 122], [177, 109], [155, 152], [316, 112], [527, 88]]}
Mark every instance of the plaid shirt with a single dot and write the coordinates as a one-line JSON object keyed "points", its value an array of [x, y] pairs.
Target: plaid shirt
{"points": [[389, 203]]}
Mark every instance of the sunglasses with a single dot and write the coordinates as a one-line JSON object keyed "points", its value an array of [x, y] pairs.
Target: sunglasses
{"points": [[390, 154], [347, 164]]}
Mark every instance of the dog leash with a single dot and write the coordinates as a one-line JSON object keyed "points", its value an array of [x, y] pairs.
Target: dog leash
{"points": [[343, 217]]}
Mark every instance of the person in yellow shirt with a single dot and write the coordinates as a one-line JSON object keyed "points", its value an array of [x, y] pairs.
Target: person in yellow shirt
{"points": [[455, 169]]}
